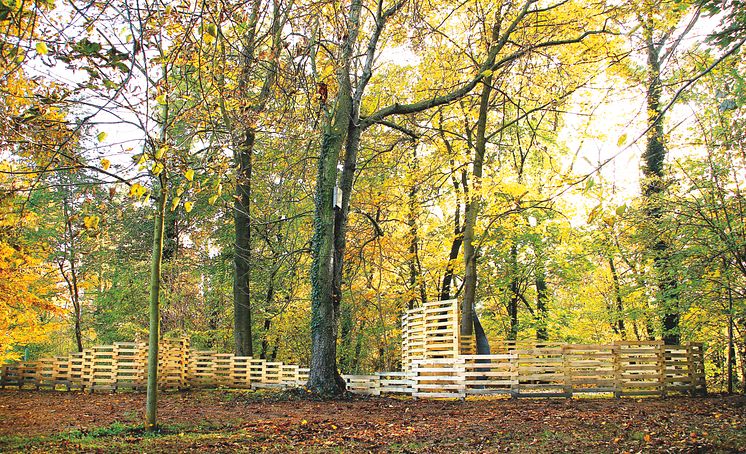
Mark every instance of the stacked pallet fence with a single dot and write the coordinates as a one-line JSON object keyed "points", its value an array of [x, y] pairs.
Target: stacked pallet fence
{"points": [[123, 366], [442, 363], [436, 363]]}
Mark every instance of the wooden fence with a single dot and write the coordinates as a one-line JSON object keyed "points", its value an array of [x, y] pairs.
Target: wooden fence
{"points": [[619, 370], [436, 362], [439, 362], [124, 366]]}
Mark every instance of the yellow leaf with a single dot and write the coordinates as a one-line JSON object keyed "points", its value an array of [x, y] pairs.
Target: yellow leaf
{"points": [[189, 175], [101, 136], [175, 203], [213, 199], [91, 222], [42, 49], [161, 152], [161, 99], [621, 141], [105, 164], [303, 423], [157, 168], [188, 206], [137, 190], [487, 73]]}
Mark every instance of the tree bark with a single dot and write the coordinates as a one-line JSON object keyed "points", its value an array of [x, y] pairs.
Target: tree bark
{"points": [[542, 312], [472, 213], [654, 187], [72, 281], [513, 301], [242, 250], [618, 298], [155, 289], [328, 242], [416, 282]]}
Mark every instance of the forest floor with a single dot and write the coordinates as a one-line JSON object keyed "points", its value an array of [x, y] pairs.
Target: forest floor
{"points": [[229, 421]]}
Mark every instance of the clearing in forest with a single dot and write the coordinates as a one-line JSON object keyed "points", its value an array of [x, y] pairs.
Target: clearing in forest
{"points": [[229, 421]]}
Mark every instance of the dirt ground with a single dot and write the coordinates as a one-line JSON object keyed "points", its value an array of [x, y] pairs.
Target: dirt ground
{"points": [[229, 421]]}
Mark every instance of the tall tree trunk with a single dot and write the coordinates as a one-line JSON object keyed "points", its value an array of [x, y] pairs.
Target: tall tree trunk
{"points": [[155, 290], [328, 241], [742, 322], [731, 347], [654, 188], [72, 280], [415, 270], [513, 301], [472, 213], [620, 327], [458, 239], [242, 253], [541, 301]]}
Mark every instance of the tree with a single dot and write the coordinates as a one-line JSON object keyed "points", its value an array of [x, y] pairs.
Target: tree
{"points": [[343, 128]]}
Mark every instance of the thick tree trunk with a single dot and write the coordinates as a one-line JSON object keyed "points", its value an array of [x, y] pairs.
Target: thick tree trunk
{"points": [[242, 250], [155, 290], [472, 213], [330, 223], [654, 187], [323, 377]]}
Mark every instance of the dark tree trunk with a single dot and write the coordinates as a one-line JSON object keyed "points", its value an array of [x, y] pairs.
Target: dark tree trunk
{"points": [[654, 188], [541, 302], [242, 249], [155, 319], [619, 310], [415, 270], [514, 298], [265, 338], [472, 213], [346, 361], [458, 230], [458, 238], [171, 237], [72, 279]]}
